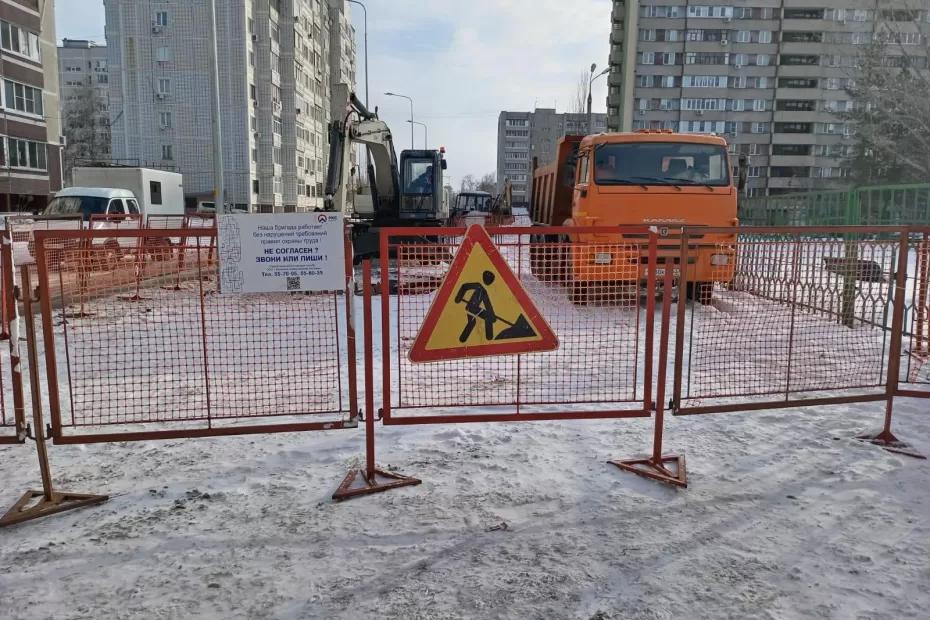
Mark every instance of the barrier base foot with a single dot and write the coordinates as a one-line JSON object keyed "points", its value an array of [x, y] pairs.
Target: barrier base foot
{"points": [[133, 298], [888, 441], [358, 483], [27, 508], [656, 469]]}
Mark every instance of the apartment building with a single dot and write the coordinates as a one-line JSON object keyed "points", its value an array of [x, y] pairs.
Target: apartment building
{"points": [[521, 136], [85, 102], [276, 63], [769, 75], [30, 149]]}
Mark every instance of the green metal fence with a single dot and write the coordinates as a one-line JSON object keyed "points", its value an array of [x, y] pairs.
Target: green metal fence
{"points": [[879, 205]]}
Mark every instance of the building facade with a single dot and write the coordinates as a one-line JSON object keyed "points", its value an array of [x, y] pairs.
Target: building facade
{"points": [[85, 102], [769, 75], [521, 136], [276, 66], [31, 130]]}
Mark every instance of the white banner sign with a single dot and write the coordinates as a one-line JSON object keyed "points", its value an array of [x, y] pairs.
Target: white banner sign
{"points": [[285, 252]]}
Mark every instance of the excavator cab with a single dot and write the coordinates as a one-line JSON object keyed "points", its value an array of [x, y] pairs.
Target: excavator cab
{"points": [[421, 185]]}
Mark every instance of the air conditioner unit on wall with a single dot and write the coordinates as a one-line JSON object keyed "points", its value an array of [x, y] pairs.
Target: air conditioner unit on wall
{"points": [[156, 29], [724, 42]]}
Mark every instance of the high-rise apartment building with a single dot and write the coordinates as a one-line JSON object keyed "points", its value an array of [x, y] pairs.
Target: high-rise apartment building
{"points": [[85, 102], [30, 142], [277, 63], [521, 136], [769, 75]]}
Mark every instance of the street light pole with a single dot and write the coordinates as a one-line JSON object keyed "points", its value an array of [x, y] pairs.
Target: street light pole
{"points": [[219, 182], [590, 84], [411, 113], [365, 13], [425, 133]]}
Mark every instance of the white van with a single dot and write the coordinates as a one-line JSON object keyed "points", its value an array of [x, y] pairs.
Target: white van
{"points": [[159, 192], [87, 202]]}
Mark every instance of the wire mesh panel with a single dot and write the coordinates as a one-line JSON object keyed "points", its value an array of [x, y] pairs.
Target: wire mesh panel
{"points": [[593, 291], [915, 361], [144, 346], [805, 314]]}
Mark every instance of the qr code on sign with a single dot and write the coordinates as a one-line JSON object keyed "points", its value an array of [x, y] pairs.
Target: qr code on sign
{"points": [[293, 284]]}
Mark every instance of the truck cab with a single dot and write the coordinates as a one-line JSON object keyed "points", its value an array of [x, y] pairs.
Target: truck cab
{"points": [[648, 178], [421, 185]]}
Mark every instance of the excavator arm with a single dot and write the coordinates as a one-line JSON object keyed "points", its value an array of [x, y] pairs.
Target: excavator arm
{"points": [[360, 126]]}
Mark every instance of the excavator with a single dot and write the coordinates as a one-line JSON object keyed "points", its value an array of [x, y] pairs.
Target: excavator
{"points": [[405, 193]]}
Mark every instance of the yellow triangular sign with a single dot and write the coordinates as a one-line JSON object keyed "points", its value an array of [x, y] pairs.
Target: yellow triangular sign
{"points": [[481, 309]]}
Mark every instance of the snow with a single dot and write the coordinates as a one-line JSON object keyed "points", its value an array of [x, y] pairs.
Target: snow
{"points": [[786, 515]]}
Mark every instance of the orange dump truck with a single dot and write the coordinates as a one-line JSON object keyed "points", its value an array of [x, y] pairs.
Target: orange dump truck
{"points": [[652, 178]]}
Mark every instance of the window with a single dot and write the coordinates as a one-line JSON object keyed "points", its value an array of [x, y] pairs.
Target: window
{"points": [[648, 58], [756, 172], [155, 192], [794, 82], [276, 155], [252, 92], [163, 54], [662, 163], [161, 18], [167, 152], [759, 105], [803, 14], [19, 41], [765, 36], [802, 37], [794, 128], [132, 207], [704, 81], [796, 105], [517, 122], [26, 154], [164, 120], [799, 59], [517, 133], [22, 98], [743, 36], [791, 149], [164, 86], [255, 186], [276, 124]]}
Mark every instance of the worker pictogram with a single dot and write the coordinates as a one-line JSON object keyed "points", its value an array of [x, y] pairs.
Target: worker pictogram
{"points": [[481, 309]]}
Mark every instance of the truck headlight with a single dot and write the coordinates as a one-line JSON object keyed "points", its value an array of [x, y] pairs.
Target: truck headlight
{"points": [[603, 258], [719, 260]]}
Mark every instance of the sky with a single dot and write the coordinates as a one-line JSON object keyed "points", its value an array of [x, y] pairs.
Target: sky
{"points": [[462, 62]]}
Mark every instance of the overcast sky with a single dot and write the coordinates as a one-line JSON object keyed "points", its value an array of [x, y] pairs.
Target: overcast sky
{"points": [[462, 62]]}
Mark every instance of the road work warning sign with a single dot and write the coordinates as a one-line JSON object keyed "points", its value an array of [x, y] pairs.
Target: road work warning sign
{"points": [[481, 309]]}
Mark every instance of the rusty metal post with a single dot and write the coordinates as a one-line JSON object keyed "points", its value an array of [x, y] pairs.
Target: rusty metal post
{"points": [[371, 479], [655, 467], [35, 504], [351, 344], [12, 316], [886, 438]]}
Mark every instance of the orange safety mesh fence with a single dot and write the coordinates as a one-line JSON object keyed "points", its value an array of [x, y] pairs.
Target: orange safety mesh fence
{"points": [[803, 314], [915, 368], [145, 347], [595, 297]]}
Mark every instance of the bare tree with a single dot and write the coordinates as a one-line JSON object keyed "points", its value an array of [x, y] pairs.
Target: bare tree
{"points": [[578, 104], [468, 184], [86, 127], [488, 183]]}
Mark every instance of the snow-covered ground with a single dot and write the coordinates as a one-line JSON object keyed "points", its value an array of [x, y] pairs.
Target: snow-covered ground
{"points": [[786, 516]]}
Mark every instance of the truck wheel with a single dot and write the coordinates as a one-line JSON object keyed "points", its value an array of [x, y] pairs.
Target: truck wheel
{"points": [[702, 292], [579, 293]]}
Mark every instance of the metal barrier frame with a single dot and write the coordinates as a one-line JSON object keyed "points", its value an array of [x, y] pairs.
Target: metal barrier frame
{"points": [[11, 325], [646, 404], [921, 304], [57, 428], [884, 393]]}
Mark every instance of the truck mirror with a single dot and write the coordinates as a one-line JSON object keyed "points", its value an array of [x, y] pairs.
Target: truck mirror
{"points": [[443, 164]]}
